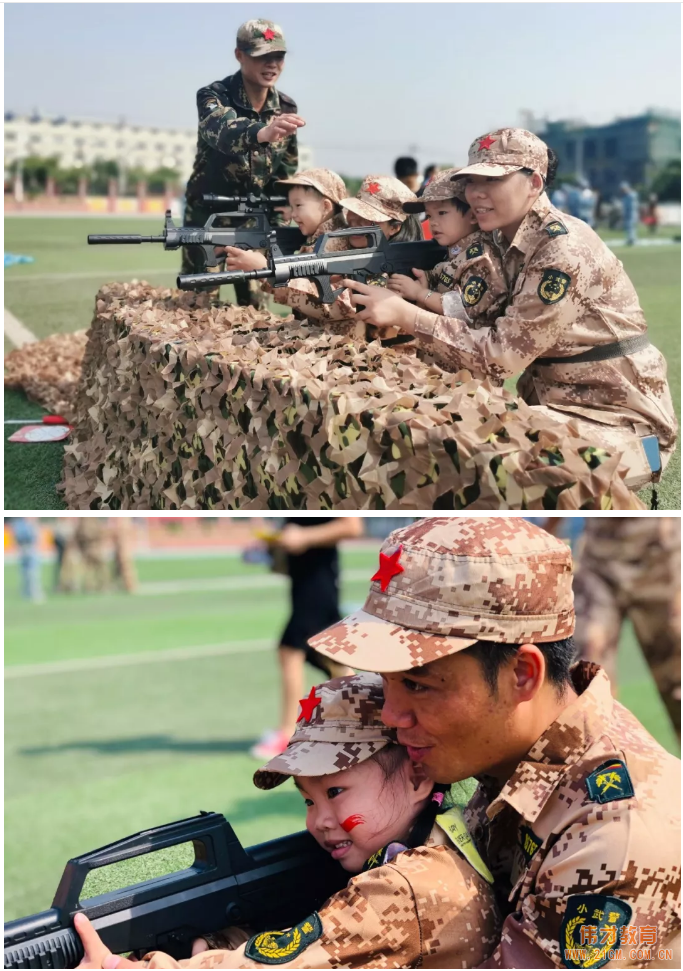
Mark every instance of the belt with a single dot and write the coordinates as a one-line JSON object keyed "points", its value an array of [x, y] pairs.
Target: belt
{"points": [[603, 352]]}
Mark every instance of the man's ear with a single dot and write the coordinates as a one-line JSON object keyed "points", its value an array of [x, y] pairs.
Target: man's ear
{"points": [[528, 671], [421, 784]]}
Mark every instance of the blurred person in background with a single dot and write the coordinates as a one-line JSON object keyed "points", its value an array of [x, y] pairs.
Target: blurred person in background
{"points": [[62, 533], [26, 535], [91, 540], [651, 217], [429, 174], [629, 212], [629, 568], [124, 567], [586, 202], [407, 172], [311, 560]]}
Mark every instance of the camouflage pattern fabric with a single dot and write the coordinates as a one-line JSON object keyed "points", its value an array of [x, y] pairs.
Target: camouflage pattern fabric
{"points": [[440, 187], [49, 371], [389, 917], [559, 828], [328, 183], [631, 568], [338, 726], [230, 160], [568, 293], [472, 261], [504, 151], [259, 37], [380, 198], [185, 405], [445, 583]]}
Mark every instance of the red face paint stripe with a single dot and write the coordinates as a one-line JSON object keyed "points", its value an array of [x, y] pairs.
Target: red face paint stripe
{"points": [[352, 821]]}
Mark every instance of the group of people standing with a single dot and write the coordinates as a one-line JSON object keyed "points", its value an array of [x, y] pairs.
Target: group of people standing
{"points": [[526, 289]]}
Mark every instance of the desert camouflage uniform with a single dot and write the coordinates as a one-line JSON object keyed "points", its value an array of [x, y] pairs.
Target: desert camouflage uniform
{"points": [[568, 294], [632, 568], [422, 907], [230, 160], [586, 831], [474, 268], [90, 539]]}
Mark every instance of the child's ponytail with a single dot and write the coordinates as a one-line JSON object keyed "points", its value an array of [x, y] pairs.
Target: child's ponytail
{"points": [[424, 823]]}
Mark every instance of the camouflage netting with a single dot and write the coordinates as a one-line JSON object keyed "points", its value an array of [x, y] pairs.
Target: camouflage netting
{"points": [[49, 371], [187, 405]]}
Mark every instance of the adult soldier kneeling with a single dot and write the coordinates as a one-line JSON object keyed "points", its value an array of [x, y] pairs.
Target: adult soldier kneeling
{"points": [[247, 134], [577, 813]]}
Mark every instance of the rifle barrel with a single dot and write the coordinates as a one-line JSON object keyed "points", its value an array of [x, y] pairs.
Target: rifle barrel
{"points": [[93, 240]]}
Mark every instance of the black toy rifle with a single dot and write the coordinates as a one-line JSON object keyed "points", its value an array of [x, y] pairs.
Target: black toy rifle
{"points": [[256, 233], [380, 256], [274, 884]]}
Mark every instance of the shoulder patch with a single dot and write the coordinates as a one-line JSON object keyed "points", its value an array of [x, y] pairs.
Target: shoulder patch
{"points": [[609, 782], [476, 249], [553, 286], [528, 842], [279, 947], [556, 228], [474, 290], [590, 927]]}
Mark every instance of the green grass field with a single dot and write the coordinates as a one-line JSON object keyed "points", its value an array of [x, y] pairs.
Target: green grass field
{"points": [[118, 716], [57, 292]]}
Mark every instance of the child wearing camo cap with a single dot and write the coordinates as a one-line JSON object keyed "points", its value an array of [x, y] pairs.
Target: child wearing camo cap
{"points": [[473, 263], [372, 809]]}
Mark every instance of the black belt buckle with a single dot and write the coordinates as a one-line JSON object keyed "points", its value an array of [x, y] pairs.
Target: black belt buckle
{"points": [[651, 448]]}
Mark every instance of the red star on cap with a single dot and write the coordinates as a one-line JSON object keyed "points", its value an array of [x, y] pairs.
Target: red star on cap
{"points": [[307, 706], [388, 567], [486, 142], [268, 34], [373, 188]]}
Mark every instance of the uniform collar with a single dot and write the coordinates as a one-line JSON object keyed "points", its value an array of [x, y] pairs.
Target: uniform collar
{"points": [[239, 95], [562, 745], [529, 227]]}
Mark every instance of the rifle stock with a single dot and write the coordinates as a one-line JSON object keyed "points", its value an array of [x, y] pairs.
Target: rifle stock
{"points": [[273, 884]]}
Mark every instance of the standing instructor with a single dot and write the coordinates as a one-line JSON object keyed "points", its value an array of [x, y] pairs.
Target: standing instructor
{"points": [[247, 132]]}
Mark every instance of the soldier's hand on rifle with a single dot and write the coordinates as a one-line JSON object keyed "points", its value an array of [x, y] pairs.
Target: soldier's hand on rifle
{"points": [[280, 127], [381, 307], [407, 287], [97, 954], [242, 259]]}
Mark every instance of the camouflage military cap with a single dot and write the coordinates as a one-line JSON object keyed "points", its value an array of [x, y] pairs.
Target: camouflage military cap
{"points": [[327, 182], [257, 37], [380, 198], [439, 187], [504, 151], [444, 584], [339, 725]]}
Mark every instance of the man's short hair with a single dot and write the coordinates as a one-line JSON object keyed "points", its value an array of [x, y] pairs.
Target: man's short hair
{"points": [[559, 658], [405, 166]]}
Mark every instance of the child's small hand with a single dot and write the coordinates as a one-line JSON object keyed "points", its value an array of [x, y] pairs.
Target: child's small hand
{"points": [[408, 288], [244, 259]]}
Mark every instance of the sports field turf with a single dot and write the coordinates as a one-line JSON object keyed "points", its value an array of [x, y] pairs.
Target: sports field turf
{"points": [[57, 292], [120, 715]]}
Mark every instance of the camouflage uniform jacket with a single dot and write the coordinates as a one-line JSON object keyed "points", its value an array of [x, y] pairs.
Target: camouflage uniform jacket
{"points": [[229, 158], [426, 908], [568, 293], [585, 831], [474, 268], [301, 294]]}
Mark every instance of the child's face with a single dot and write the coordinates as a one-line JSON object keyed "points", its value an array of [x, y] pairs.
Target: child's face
{"points": [[360, 242], [309, 209], [447, 223], [354, 813]]}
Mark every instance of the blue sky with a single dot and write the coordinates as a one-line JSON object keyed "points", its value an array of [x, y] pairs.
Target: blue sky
{"points": [[372, 80]]}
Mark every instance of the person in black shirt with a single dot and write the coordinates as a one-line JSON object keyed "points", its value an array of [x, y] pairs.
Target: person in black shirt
{"points": [[310, 545]]}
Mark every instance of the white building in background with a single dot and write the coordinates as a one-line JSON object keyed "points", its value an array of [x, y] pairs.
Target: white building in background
{"points": [[79, 142]]}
